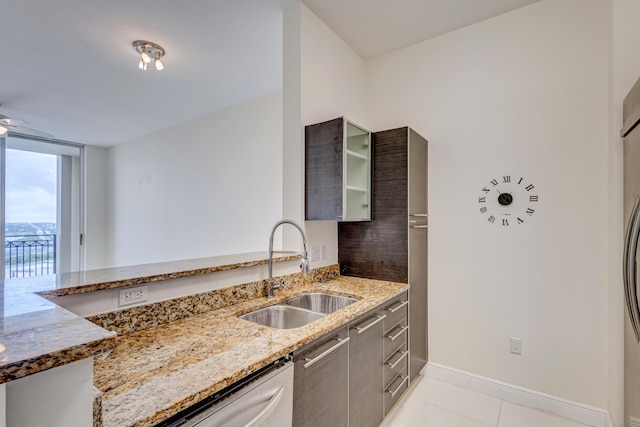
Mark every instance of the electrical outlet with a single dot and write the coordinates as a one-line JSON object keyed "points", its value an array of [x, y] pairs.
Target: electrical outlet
{"points": [[133, 295], [324, 252], [315, 253], [515, 344]]}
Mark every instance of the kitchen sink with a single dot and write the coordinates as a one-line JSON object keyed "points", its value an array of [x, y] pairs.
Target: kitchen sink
{"points": [[320, 303], [282, 317], [298, 311]]}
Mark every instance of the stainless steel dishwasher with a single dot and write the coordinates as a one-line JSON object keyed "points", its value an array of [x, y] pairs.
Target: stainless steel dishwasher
{"points": [[263, 399]]}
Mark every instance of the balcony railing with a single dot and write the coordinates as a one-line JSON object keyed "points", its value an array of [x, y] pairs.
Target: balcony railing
{"points": [[29, 255]]}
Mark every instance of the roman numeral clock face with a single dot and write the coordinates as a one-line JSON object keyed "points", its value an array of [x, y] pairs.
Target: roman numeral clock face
{"points": [[508, 201]]}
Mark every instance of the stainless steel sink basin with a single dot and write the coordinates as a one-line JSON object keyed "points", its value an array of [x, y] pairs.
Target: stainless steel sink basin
{"points": [[282, 317], [320, 303]]}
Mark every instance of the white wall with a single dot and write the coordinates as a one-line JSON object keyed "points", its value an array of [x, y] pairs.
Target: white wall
{"points": [[333, 75], [523, 94], [209, 187], [325, 79], [626, 69]]}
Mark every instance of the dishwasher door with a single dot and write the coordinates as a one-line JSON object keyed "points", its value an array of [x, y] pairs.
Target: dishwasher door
{"points": [[262, 401]]}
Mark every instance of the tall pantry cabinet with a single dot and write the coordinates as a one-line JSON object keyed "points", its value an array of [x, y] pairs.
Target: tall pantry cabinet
{"points": [[393, 245]]}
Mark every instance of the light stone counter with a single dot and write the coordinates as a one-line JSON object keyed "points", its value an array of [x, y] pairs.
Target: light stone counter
{"points": [[36, 334], [109, 278], [156, 372], [170, 354]]}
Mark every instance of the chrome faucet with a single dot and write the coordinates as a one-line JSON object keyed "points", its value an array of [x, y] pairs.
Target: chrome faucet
{"points": [[304, 264]]}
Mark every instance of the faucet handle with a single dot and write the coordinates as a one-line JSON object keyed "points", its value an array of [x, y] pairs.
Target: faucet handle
{"points": [[304, 265], [278, 284]]}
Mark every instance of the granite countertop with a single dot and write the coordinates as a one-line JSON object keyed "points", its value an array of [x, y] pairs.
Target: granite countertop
{"points": [[36, 334], [155, 373], [118, 277]]}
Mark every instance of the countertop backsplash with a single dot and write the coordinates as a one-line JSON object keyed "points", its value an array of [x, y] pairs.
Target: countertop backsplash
{"points": [[134, 319]]}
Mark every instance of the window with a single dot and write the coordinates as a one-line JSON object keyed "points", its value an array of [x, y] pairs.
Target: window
{"points": [[42, 218]]}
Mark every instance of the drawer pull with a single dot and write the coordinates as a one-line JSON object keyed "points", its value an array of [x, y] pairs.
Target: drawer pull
{"points": [[398, 360], [397, 307], [419, 226], [341, 342], [361, 330], [400, 332], [419, 214], [404, 380]]}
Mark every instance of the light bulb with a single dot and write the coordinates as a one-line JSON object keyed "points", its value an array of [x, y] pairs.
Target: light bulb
{"points": [[159, 65], [146, 58], [142, 65], [3, 130]]}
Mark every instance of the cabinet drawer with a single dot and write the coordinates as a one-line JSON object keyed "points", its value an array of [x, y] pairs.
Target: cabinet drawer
{"points": [[396, 311], [394, 338], [394, 391], [395, 364]]}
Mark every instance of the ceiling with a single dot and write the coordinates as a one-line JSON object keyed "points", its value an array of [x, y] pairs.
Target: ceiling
{"points": [[68, 67], [375, 27]]}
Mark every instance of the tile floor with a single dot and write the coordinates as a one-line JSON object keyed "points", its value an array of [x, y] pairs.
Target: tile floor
{"points": [[432, 403]]}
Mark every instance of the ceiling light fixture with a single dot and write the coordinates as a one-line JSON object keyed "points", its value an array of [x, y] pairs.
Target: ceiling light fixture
{"points": [[149, 51]]}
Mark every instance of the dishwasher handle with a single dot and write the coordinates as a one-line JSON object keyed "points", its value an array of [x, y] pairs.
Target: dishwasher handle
{"points": [[271, 405]]}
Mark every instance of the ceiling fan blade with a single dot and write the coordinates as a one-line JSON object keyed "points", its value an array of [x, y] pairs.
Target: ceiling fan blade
{"points": [[28, 131], [6, 120]]}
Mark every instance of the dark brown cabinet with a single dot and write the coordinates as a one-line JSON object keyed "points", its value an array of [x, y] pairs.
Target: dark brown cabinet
{"points": [[365, 367], [321, 382], [337, 171], [396, 350], [393, 245], [354, 375]]}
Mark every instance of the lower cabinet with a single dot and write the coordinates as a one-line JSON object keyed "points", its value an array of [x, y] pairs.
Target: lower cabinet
{"points": [[356, 374], [365, 366], [396, 350], [321, 382]]}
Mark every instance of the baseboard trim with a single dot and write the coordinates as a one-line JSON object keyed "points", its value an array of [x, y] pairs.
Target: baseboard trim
{"points": [[575, 411]]}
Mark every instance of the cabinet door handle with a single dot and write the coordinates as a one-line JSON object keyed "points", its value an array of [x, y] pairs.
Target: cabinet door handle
{"points": [[400, 332], [404, 380], [379, 319], [341, 342], [398, 360], [397, 307]]}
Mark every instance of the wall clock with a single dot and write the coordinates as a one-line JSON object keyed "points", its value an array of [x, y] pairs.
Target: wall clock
{"points": [[508, 201]]}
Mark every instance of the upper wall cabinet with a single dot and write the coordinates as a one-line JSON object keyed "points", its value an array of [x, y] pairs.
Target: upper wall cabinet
{"points": [[337, 172]]}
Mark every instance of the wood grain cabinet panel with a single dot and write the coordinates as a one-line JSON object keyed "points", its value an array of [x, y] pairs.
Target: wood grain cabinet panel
{"points": [[321, 382], [365, 369], [337, 171], [393, 245]]}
